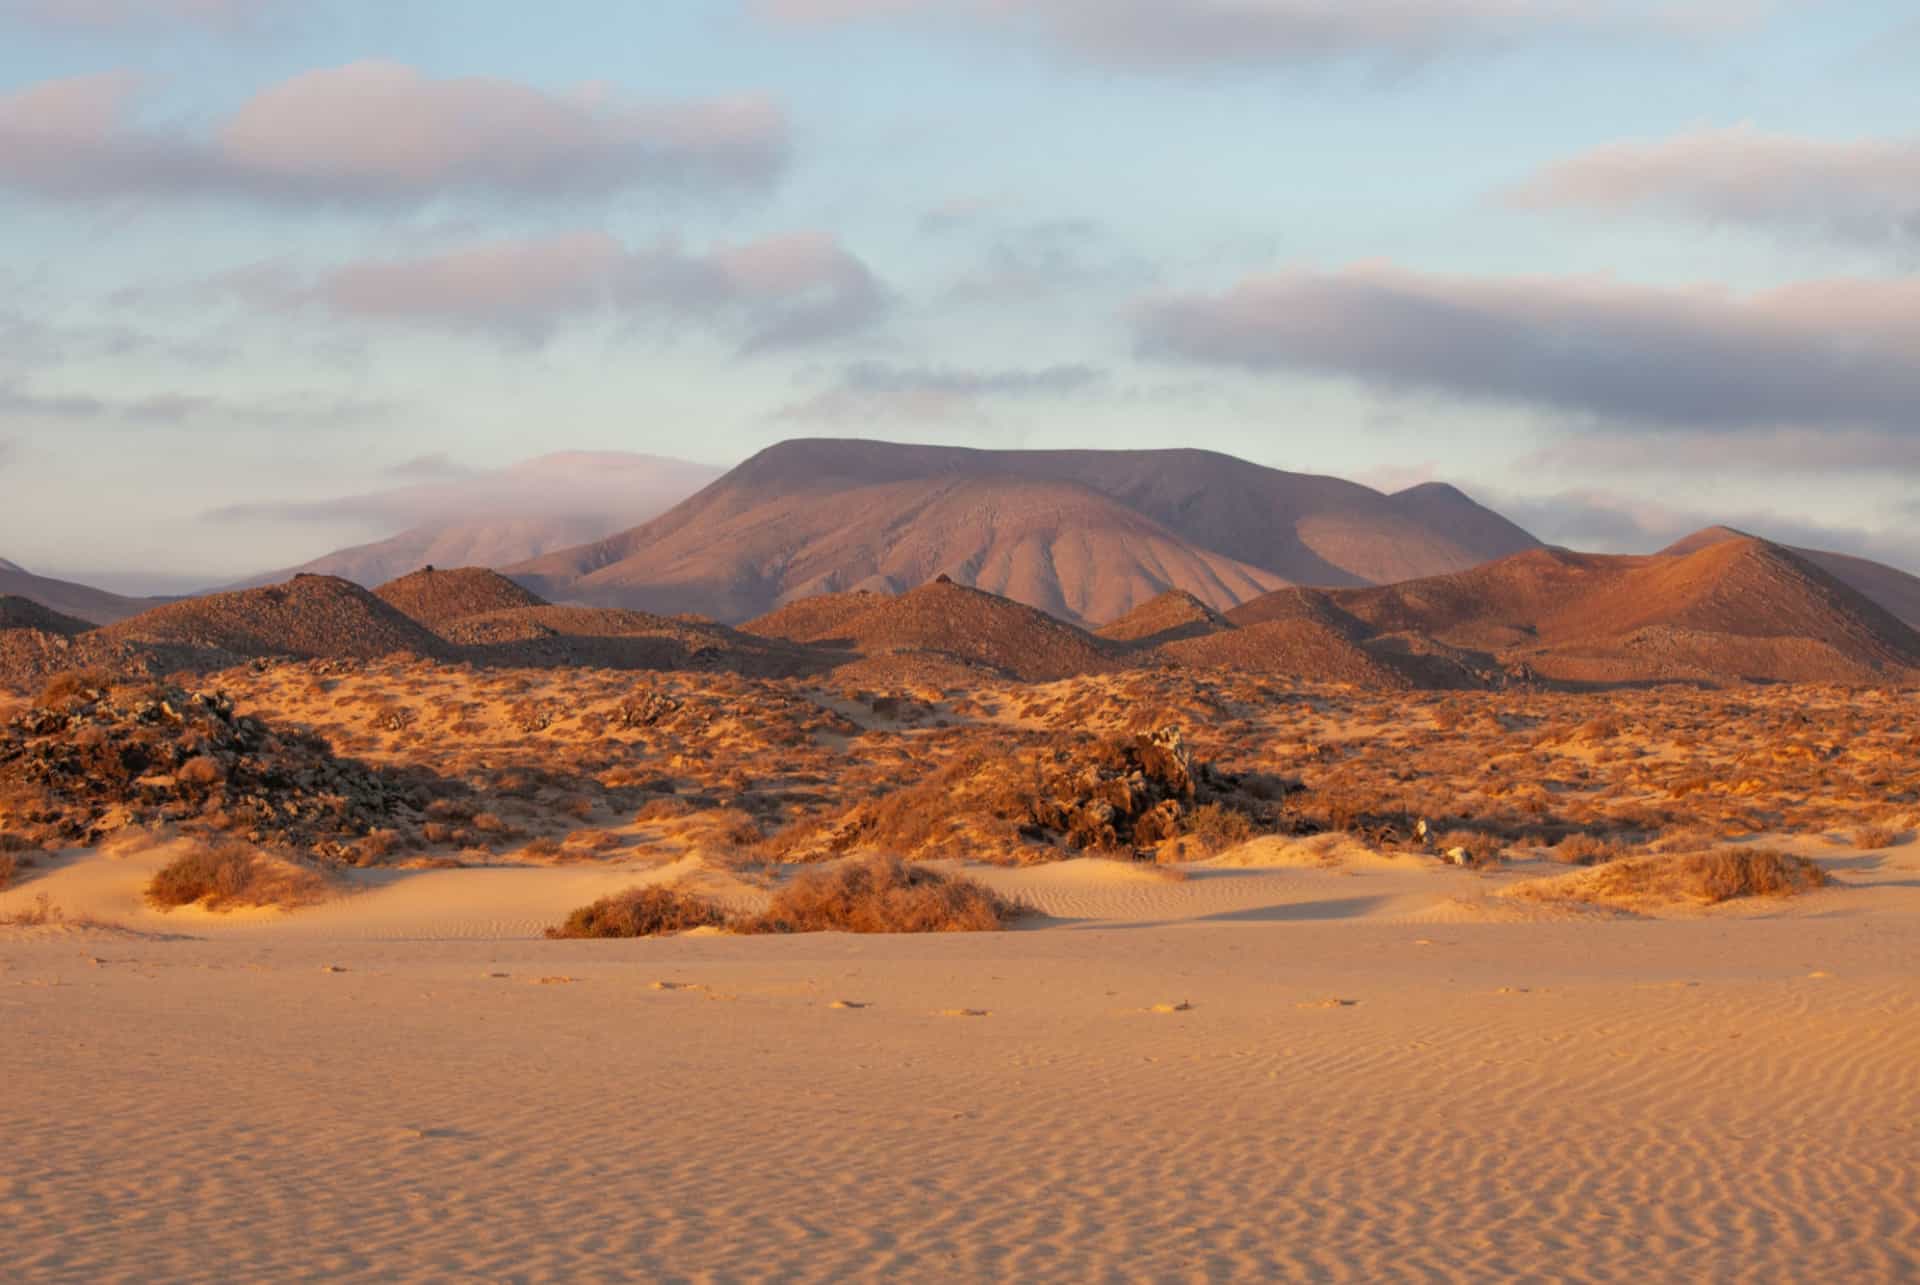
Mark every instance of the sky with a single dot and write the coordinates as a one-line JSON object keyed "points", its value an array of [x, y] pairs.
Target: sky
{"points": [[1620, 268]]}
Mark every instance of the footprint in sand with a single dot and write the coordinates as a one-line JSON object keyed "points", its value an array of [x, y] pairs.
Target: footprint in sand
{"points": [[1327, 1003], [847, 1003], [556, 981], [966, 1012], [332, 968], [1181, 1007], [675, 986]]}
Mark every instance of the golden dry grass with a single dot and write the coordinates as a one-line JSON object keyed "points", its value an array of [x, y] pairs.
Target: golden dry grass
{"points": [[1706, 878], [881, 894], [641, 912]]}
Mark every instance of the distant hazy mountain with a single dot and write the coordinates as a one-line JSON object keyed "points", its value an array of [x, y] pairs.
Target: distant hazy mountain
{"points": [[1085, 535], [95, 606], [497, 518]]}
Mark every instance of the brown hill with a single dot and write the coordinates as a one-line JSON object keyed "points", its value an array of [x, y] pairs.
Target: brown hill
{"points": [[83, 602], [1892, 589], [1724, 610], [309, 617], [1085, 535], [1174, 615], [953, 621], [1300, 649], [24, 613], [437, 598], [607, 638]]}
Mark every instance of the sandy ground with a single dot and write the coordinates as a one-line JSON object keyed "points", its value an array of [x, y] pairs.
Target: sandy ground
{"points": [[1297, 1062]]}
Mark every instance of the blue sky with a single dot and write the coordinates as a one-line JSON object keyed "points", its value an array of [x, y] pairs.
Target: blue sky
{"points": [[1618, 268]]}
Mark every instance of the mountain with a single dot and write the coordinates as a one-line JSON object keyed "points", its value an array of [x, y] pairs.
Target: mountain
{"points": [[95, 606], [1713, 610], [1084, 535], [947, 620], [1174, 615], [1893, 589], [24, 613], [307, 617], [494, 518], [437, 598]]}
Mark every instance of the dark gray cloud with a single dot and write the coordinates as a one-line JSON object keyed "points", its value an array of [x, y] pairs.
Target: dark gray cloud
{"points": [[380, 133], [1818, 354], [1162, 35], [1863, 190], [776, 293]]}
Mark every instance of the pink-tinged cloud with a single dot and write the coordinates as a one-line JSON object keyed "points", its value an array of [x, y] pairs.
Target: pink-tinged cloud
{"points": [[1861, 190], [377, 132], [782, 292], [1170, 34], [1819, 353]]}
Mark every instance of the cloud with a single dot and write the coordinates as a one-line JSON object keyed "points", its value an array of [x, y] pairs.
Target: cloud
{"points": [[436, 466], [296, 410], [1818, 354], [1177, 34], [875, 391], [1600, 520], [379, 133], [1857, 190], [781, 292], [109, 15]]}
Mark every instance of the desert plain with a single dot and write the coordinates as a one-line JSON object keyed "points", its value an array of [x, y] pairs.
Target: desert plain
{"points": [[1353, 984]]}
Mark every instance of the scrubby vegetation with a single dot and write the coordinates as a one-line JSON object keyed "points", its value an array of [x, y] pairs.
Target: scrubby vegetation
{"points": [[229, 875], [878, 894], [881, 894], [1709, 878], [1065, 795], [642, 912]]}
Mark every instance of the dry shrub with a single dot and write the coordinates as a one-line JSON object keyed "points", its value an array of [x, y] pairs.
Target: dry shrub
{"points": [[1711, 877], [641, 912], [1586, 850], [881, 894], [1218, 827], [1873, 837], [224, 875], [9, 870], [71, 686]]}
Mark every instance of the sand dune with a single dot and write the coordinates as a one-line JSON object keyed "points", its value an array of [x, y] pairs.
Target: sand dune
{"points": [[1283, 1070]]}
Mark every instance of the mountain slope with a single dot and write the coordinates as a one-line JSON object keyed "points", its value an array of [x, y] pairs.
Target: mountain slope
{"points": [[948, 620], [95, 606], [1893, 589], [1086, 535], [308, 617], [1721, 609], [437, 598]]}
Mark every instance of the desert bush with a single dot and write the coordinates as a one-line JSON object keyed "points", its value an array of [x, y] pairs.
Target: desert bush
{"points": [[9, 870], [1873, 837], [1218, 827], [1587, 850], [641, 912], [226, 874], [1712, 877], [70, 686], [667, 809], [881, 894]]}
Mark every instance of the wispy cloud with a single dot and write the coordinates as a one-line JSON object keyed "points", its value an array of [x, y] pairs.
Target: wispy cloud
{"points": [[1864, 190], [1172, 35], [380, 133], [779, 292], [872, 392], [110, 15], [301, 410]]}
